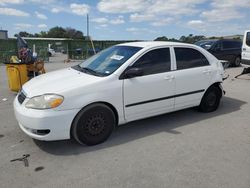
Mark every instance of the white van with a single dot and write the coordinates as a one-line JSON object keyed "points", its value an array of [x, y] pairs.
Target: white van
{"points": [[246, 48]]}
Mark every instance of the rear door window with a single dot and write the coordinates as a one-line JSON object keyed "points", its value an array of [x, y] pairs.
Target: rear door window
{"points": [[231, 44], [189, 58]]}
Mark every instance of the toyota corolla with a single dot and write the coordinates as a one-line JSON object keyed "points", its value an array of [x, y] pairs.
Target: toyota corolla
{"points": [[120, 84]]}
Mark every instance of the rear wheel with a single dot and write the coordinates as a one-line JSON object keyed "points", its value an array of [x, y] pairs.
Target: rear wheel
{"points": [[211, 99], [93, 125], [237, 61]]}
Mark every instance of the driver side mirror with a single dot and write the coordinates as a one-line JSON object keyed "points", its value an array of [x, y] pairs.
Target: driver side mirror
{"points": [[133, 72]]}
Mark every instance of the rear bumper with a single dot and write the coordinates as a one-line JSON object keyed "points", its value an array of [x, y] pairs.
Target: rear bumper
{"points": [[245, 61]]}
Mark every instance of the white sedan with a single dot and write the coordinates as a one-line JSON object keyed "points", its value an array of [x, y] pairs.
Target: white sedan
{"points": [[120, 84]]}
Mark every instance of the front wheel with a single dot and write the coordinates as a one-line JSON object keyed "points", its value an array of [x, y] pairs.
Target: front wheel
{"points": [[93, 125], [211, 99]]}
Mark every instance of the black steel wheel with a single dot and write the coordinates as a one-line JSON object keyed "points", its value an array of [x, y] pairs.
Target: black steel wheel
{"points": [[211, 99], [93, 125]]}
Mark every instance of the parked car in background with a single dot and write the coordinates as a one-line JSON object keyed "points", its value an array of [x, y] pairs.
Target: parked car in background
{"points": [[120, 84], [224, 49], [246, 48]]}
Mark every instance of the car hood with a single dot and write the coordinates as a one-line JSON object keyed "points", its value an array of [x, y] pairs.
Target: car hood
{"points": [[57, 82]]}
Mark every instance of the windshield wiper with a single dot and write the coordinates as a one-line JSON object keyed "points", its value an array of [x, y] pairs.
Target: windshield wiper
{"points": [[88, 70], [91, 71]]}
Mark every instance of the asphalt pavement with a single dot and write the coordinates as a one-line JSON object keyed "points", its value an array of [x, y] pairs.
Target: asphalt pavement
{"points": [[184, 149]]}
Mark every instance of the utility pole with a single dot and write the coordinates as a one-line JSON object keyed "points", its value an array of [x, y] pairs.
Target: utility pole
{"points": [[88, 26]]}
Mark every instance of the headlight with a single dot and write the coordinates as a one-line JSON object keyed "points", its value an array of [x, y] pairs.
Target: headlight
{"points": [[46, 101]]}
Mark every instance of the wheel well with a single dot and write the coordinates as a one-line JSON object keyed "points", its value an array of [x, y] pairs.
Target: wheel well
{"points": [[217, 84], [239, 55], [112, 108], [105, 103]]}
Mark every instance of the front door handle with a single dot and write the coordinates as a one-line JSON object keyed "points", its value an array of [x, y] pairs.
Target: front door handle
{"points": [[169, 77]]}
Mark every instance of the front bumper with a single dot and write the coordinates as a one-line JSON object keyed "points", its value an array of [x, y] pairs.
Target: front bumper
{"points": [[44, 124]]}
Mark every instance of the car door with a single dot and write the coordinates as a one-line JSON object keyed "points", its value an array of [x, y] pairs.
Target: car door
{"points": [[246, 48], [229, 51], [152, 92], [217, 51], [192, 76]]}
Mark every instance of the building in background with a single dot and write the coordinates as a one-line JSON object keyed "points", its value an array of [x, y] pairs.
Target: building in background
{"points": [[3, 34]]}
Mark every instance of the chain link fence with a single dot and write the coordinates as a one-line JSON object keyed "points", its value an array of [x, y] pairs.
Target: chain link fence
{"points": [[75, 49]]}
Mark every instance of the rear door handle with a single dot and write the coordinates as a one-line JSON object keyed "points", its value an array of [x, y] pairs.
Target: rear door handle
{"points": [[244, 49], [169, 77]]}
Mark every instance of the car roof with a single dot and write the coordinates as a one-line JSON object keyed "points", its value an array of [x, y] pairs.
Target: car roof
{"points": [[150, 44], [208, 40]]}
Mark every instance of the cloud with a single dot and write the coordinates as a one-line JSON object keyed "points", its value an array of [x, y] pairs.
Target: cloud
{"points": [[230, 3], [221, 15], [105, 21], [56, 10], [141, 17], [42, 26], [144, 9], [45, 2], [162, 22], [225, 10], [174, 7], [104, 25], [22, 26], [60, 9], [100, 20], [4, 2], [195, 22], [133, 29], [136, 31], [117, 21], [79, 9], [13, 12], [121, 6], [41, 16]]}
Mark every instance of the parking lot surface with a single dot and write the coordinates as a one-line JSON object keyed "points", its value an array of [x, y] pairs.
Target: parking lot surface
{"points": [[181, 149]]}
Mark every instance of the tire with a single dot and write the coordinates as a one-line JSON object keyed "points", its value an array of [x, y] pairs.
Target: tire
{"points": [[211, 99], [237, 61], [93, 125]]}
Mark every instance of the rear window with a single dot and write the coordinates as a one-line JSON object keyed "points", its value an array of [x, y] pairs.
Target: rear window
{"points": [[189, 58], [231, 44]]}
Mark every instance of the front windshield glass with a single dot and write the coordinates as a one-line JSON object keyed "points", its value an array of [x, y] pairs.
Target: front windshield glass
{"points": [[205, 44], [108, 60]]}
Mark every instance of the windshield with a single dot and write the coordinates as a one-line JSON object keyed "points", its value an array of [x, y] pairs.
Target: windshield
{"points": [[206, 44], [107, 61]]}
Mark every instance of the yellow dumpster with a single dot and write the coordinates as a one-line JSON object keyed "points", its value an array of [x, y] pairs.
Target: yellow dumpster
{"points": [[17, 75]]}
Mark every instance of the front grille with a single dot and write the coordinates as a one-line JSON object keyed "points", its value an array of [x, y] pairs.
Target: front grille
{"points": [[21, 97]]}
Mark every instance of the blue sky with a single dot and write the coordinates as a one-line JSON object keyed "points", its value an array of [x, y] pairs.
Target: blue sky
{"points": [[128, 19]]}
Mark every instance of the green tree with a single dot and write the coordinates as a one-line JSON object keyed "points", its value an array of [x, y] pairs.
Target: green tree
{"points": [[57, 32], [73, 33], [24, 34], [163, 38]]}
